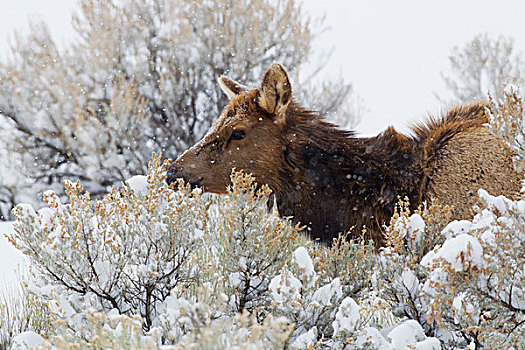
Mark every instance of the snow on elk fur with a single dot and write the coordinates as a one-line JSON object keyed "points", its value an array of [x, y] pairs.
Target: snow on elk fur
{"points": [[330, 180]]}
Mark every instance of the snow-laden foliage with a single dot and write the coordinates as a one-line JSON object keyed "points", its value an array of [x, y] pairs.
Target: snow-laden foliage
{"points": [[468, 290], [398, 276], [20, 310], [507, 120], [26, 340], [477, 278], [124, 252], [169, 257], [484, 65], [139, 77]]}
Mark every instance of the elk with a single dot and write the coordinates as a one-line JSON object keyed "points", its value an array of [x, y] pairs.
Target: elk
{"points": [[331, 180]]}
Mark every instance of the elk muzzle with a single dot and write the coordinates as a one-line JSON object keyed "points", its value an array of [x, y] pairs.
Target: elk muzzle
{"points": [[175, 173]]}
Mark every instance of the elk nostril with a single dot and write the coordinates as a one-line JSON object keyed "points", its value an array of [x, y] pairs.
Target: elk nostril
{"points": [[197, 183], [170, 177], [175, 173]]}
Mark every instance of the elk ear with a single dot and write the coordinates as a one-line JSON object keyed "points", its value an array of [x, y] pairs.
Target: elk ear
{"points": [[276, 92], [230, 87]]}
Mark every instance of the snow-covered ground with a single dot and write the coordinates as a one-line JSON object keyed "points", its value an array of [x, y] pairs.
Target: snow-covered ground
{"points": [[12, 261]]}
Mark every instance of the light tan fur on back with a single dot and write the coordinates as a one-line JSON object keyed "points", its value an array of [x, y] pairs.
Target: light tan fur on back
{"points": [[470, 161]]}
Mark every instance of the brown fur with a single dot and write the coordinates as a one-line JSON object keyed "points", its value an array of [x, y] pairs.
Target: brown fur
{"points": [[330, 180]]}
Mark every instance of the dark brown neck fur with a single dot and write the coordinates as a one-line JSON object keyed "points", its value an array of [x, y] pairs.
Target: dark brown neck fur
{"points": [[329, 174]]}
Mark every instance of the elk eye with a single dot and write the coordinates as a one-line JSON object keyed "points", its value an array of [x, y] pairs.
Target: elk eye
{"points": [[237, 135]]}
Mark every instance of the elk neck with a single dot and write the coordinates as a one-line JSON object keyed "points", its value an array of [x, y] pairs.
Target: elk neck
{"points": [[328, 174]]}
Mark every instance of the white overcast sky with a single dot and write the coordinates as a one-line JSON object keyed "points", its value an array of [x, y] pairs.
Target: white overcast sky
{"points": [[392, 51]]}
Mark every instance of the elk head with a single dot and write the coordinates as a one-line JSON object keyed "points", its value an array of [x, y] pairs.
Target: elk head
{"points": [[249, 135]]}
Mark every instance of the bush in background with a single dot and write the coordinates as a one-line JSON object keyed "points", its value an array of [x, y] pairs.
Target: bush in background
{"points": [[483, 65]]}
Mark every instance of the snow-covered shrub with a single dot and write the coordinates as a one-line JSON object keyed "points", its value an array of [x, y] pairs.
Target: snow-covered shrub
{"points": [[477, 277], [325, 317], [483, 65], [101, 330], [310, 289], [248, 246], [21, 311], [462, 282], [507, 121], [351, 261], [150, 266], [170, 257], [399, 276], [124, 252], [242, 331]]}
